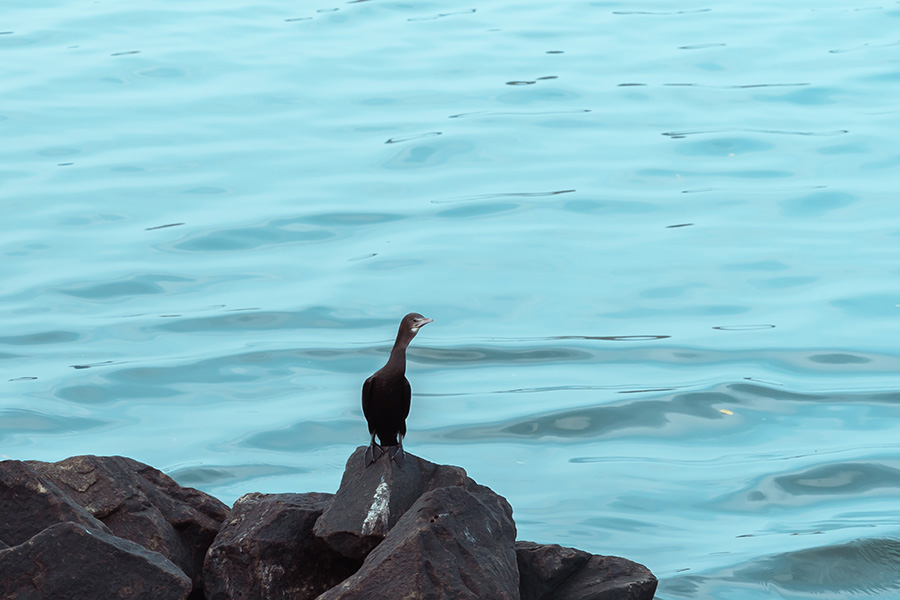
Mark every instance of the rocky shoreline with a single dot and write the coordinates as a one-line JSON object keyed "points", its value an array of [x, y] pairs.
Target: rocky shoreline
{"points": [[111, 527]]}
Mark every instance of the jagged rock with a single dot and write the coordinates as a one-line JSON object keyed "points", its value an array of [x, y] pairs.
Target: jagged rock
{"points": [[371, 500], [69, 562], [544, 568], [608, 578], [142, 504], [435, 532], [453, 543], [29, 503], [266, 550]]}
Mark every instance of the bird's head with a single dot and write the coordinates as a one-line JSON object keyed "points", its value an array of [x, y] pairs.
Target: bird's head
{"points": [[413, 321]]}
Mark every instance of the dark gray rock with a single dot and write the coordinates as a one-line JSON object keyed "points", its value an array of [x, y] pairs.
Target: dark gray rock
{"points": [[453, 543], [544, 568], [266, 549], [142, 504], [69, 562], [608, 578], [29, 503], [371, 500]]}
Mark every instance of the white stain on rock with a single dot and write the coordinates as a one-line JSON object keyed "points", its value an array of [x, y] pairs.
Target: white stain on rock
{"points": [[379, 510]]}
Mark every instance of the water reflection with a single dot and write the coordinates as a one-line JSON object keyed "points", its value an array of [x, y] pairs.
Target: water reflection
{"points": [[41, 338], [863, 567], [821, 483], [314, 317], [302, 436], [17, 421], [599, 421], [212, 475], [136, 285]]}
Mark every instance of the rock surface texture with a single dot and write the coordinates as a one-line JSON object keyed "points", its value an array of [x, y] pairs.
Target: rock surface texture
{"points": [[29, 503], [371, 500], [266, 549], [111, 527], [70, 562], [452, 543], [551, 572], [141, 504]]}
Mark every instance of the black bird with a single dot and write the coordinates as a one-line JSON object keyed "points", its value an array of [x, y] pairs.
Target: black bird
{"points": [[386, 395]]}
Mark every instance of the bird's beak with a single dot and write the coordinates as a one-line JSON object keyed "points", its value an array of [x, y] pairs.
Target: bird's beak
{"points": [[419, 322]]}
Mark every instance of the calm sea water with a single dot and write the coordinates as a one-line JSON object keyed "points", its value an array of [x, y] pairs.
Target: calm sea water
{"points": [[660, 242]]}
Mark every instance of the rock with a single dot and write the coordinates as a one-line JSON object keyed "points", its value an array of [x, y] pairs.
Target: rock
{"points": [[69, 562], [551, 572], [110, 527], [453, 543], [29, 503], [142, 504], [609, 578], [371, 500], [543, 568], [266, 549]]}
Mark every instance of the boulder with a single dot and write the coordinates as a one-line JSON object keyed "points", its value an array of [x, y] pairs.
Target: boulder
{"points": [[70, 562], [544, 568], [453, 543], [551, 572], [266, 550], [371, 500], [609, 578], [29, 503], [141, 504], [111, 527]]}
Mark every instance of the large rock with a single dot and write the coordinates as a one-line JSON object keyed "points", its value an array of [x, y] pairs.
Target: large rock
{"points": [[453, 543], [142, 504], [29, 503], [69, 562], [371, 500], [266, 550], [544, 568], [609, 578], [551, 572]]}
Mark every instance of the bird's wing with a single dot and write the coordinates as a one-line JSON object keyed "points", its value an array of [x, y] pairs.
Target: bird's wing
{"points": [[405, 397], [366, 403]]}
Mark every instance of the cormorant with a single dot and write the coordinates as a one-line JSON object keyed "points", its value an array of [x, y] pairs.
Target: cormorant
{"points": [[386, 396]]}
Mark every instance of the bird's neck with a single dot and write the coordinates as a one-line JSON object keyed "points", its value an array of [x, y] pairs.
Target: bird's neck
{"points": [[397, 361]]}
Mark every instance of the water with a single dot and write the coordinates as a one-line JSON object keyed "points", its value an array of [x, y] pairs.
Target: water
{"points": [[659, 241]]}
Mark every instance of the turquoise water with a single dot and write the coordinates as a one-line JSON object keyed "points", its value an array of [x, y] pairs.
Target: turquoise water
{"points": [[660, 242]]}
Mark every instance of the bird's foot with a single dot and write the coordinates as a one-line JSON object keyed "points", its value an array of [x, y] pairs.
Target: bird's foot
{"points": [[396, 454], [373, 453]]}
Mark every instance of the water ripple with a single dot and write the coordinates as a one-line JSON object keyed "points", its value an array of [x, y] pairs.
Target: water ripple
{"points": [[221, 474], [661, 12], [42, 338], [17, 421], [302, 436], [865, 567], [503, 195], [682, 134], [443, 15], [316, 317], [660, 413], [491, 113]]}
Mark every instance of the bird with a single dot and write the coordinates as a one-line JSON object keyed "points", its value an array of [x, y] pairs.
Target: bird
{"points": [[386, 396]]}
